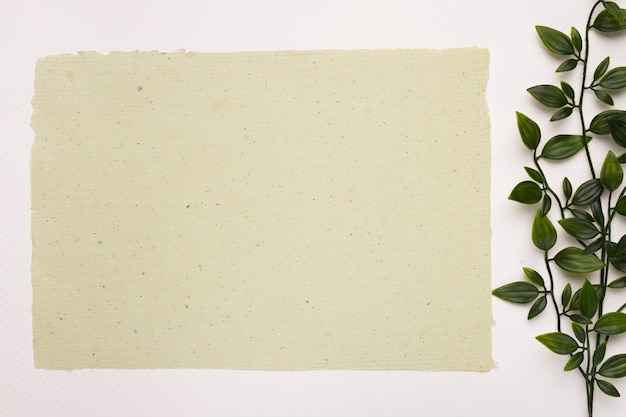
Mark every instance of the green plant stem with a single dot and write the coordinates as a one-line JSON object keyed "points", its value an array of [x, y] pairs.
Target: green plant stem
{"points": [[547, 186], [556, 306]]}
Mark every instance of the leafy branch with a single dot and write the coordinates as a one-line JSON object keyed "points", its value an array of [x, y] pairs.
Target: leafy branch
{"points": [[587, 214]]}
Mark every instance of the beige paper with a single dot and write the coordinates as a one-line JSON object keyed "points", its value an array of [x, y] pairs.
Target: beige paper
{"points": [[263, 210]]}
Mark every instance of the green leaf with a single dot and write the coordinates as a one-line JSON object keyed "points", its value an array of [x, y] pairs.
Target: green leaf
{"points": [[520, 292], [579, 228], [579, 318], [604, 97], [567, 188], [622, 158], [543, 232], [566, 295], [617, 254], [579, 332], [534, 277], [534, 174], [611, 323], [528, 130], [561, 114], [620, 207], [564, 146], [607, 388], [574, 362], [596, 210], [607, 22], [546, 204], [537, 308], [572, 260], [526, 192], [618, 283], [612, 174], [581, 214], [568, 90], [558, 342], [614, 367], [594, 246], [588, 192], [557, 42], [617, 128], [598, 354], [548, 95], [588, 300], [567, 65], [615, 10], [599, 124], [601, 68], [615, 79], [577, 40]]}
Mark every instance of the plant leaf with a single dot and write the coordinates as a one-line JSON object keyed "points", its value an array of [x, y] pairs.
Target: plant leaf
{"points": [[566, 295], [519, 292], [604, 97], [567, 188], [579, 228], [572, 260], [588, 192], [561, 114], [557, 42], [557, 342], [596, 210], [620, 207], [526, 192], [534, 174], [534, 277], [601, 68], [599, 124], [574, 362], [614, 10], [607, 388], [614, 367], [577, 40], [606, 22], [567, 65], [617, 128], [618, 283], [598, 355], [537, 308], [528, 130], [564, 146], [611, 323], [579, 318], [615, 79], [568, 90], [594, 246], [543, 232], [588, 300], [612, 174], [548, 95], [579, 332], [546, 204]]}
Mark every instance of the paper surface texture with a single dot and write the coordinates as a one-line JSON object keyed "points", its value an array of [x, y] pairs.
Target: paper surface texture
{"points": [[262, 210]]}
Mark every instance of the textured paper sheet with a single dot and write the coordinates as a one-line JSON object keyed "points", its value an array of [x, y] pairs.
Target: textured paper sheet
{"points": [[290, 210]]}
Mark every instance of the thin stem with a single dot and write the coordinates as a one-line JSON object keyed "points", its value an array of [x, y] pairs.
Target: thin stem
{"points": [[556, 306]]}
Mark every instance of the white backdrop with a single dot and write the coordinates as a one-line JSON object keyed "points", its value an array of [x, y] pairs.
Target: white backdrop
{"points": [[527, 379]]}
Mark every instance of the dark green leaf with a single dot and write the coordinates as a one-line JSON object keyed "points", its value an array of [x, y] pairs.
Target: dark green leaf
{"points": [[617, 128], [596, 210], [557, 42], [622, 158], [543, 232], [620, 207], [574, 362], [577, 40], [617, 254], [579, 332], [567, 65], [568, 90], [566, 295], [564, 146], [572, 260], [526, 192], [520, 292], [615, 10], [618, 283], [607, 388], [612, 174], [546, 204], [594, 246], [537, 308], [598, 355], [601, 68], [579, 318], [606, 22], [611, 323], [534, 174], [548, 95], [588, 192], [599, 124], [581, 214], [588, 300], [614, 367], [528, 130], [579, 228], [534, 277], [561, 114], [567, 188], [604, 97], [615, 79], [558, 342]]}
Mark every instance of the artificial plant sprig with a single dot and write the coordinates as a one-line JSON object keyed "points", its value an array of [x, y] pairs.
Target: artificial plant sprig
{"points": [[578, 279]]}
